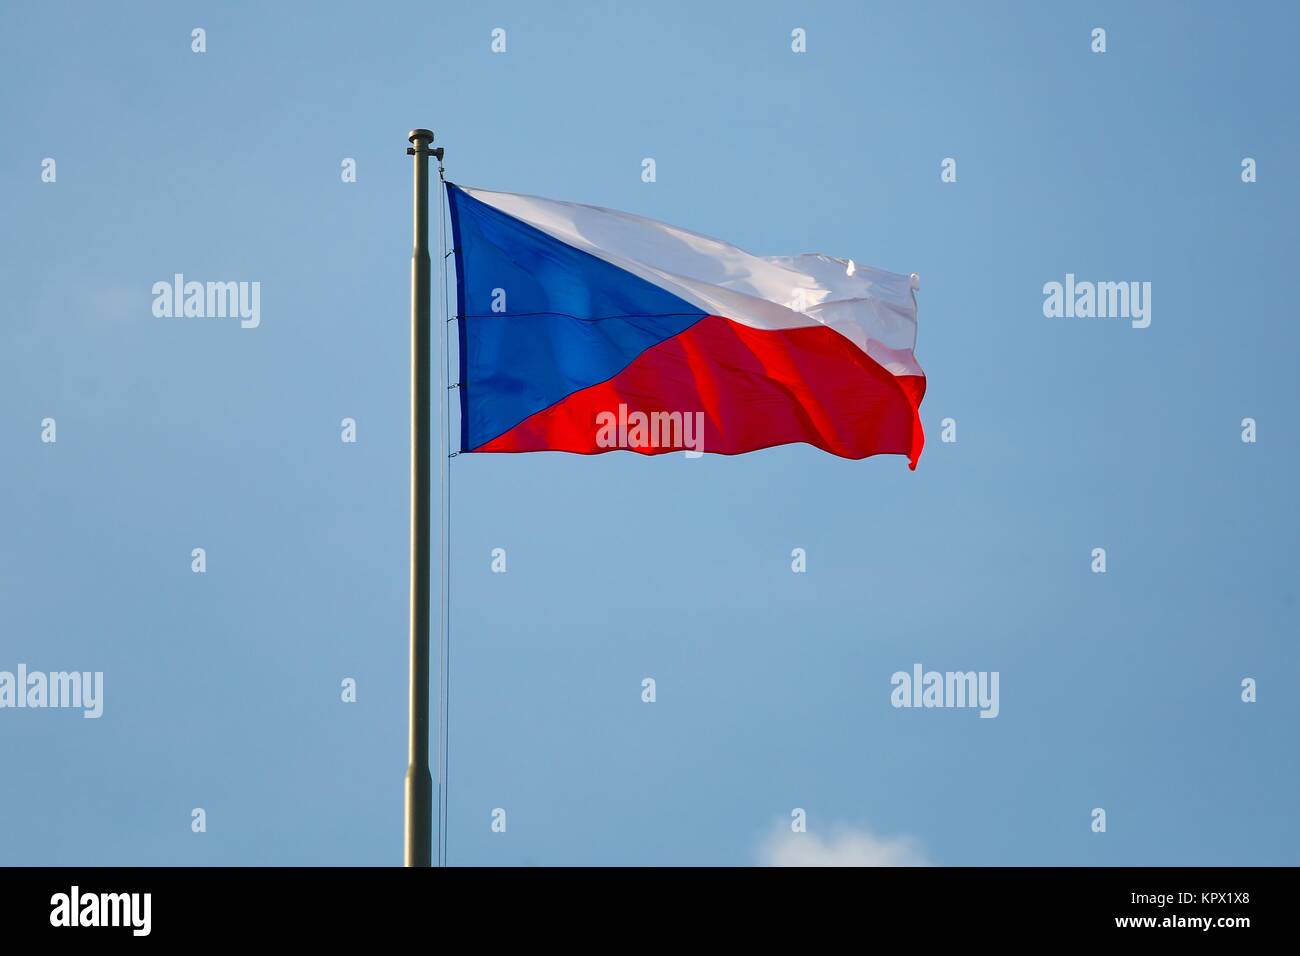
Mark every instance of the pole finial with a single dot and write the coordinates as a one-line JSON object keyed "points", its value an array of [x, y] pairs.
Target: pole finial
{"points": [[421, 140]]}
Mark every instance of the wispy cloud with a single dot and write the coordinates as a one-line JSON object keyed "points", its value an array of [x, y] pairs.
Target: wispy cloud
{"points": [[843, 846]]}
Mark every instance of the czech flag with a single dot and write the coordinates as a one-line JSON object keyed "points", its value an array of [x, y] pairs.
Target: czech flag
{"points": [[587, 330]]}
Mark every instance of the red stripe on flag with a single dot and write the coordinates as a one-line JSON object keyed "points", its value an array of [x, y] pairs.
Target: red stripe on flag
{"points": [[755, 387]]}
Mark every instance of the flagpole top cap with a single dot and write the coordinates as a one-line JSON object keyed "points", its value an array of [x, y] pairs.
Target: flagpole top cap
{"points": [[417, 135]]}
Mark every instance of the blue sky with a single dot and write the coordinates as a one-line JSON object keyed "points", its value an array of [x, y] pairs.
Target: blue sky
{"points": [[222, 690]]}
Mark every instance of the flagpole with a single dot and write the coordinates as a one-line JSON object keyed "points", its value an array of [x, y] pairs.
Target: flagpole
{"points": [[419, 780]]}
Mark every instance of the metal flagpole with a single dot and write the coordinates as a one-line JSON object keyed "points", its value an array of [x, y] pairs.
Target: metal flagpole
{"points": [[419, 781]]}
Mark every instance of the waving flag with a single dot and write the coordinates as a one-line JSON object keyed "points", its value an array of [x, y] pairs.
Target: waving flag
{"points": [[587, 330]]}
